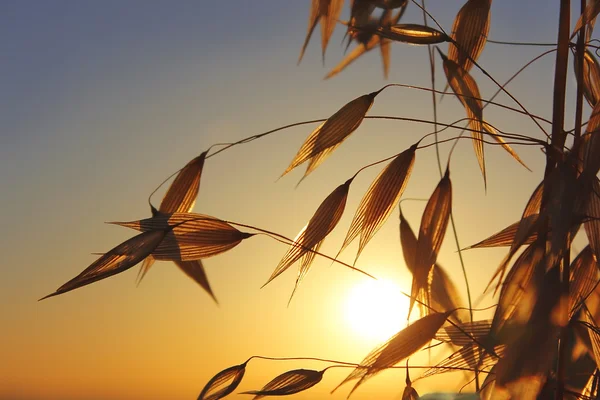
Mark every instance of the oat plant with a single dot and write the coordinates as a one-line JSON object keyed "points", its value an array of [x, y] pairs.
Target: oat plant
{"points": [[543, 341]]}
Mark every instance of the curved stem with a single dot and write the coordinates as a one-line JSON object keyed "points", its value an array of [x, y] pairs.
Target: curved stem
{"points": [[292, 242], [254, 137], [472, 97], [345, 364]]}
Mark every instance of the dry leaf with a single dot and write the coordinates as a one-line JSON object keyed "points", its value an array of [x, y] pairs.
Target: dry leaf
{"points": [[413, 34], [289, 382], [333, 132], [520, 286], [584, 277], [223, 383], [592, 215], [328, 12], [527, 227], [588, 16], [589, 151], [431, 234], [535, 201], [115, 261], [400, 346], [312, 235], [591, 76], [380, 199], [528, 223], [531, 353], [467, 92], [191, 236], [469, 32], [593, 334]]}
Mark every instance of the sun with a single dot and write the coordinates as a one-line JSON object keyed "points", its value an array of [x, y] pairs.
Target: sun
{"points": [[376, 309]]}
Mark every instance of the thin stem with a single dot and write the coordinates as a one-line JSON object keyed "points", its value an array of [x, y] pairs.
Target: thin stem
{"points": [[254, 137], [522, 43], [519, 72], [509, 135], [304, 359], [436, 141], [345, 364], [260, 135], [476, 98], [481, 140]]}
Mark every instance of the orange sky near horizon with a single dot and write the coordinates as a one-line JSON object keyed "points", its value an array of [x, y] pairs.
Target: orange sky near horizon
{"points": [[104, 100]]}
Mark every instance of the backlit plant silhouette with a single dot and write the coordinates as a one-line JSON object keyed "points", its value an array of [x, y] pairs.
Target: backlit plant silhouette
{"points": [[543, 341]]}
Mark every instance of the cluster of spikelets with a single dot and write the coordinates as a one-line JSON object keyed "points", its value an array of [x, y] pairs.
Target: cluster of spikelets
{"points": [[546, 301], [544, 297]]}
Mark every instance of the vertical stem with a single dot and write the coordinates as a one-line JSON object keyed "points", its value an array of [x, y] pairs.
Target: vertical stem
{"points": [[558, 141], [560, 81], [579, 75]]}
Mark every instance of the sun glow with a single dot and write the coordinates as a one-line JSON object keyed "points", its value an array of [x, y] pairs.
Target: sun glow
{"points": [[376, 309]]}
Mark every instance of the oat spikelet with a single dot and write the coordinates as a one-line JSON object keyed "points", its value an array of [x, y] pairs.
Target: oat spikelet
{"points": [[323, 140], [380, 199], [289, 382], [397, 348], [223, 383], [327, 12], [470, 31]]}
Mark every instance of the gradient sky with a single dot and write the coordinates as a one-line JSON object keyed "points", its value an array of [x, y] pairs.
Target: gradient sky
{"points": [[102, 100]]}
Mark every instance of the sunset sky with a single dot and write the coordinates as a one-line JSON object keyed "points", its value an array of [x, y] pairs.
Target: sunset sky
{"points": [[102, 100]]}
